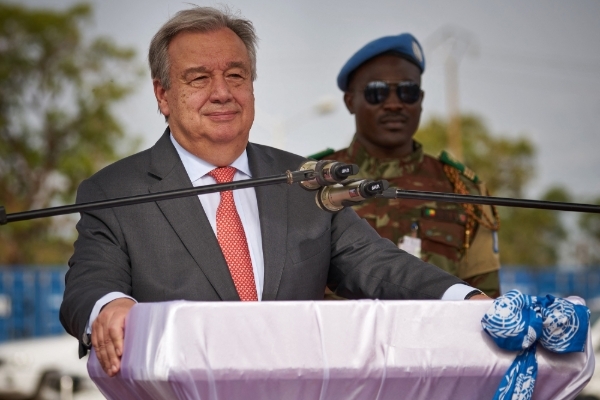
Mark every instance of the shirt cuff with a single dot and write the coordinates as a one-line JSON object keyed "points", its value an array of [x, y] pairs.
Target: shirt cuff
{"points": [[457, 292], [104, 300]]}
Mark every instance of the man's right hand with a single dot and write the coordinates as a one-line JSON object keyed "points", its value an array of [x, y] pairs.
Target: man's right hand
{"points": [[108, 333]]}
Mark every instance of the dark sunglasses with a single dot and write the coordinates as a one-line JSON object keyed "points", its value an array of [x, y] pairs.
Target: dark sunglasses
{"points": [[377, 91]]}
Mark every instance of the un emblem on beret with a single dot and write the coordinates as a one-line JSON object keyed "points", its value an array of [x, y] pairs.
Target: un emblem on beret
{"points": [[417, 52]]}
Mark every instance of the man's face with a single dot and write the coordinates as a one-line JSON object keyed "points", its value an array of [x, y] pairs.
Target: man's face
{"points": [[387, 128], [211, 99]]}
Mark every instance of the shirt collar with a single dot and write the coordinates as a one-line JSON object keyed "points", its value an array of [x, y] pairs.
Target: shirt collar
{"points": [[196, 167]]}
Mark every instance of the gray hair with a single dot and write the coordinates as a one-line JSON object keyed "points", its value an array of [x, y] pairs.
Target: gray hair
{"points": [[198, 19]]}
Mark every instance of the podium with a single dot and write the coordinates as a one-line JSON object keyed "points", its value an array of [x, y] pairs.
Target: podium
{"points": [[322, 350]]}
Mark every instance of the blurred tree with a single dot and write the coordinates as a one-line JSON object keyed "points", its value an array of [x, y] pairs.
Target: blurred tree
{"points": [[57, 126], [527, 237], [590, 225], [533, 237], [505, 164]]}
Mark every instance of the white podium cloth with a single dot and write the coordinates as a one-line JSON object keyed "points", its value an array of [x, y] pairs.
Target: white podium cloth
{"points": [[325, 350]]}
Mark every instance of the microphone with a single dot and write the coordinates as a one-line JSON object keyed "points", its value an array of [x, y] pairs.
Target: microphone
{"points": [[327, 173], [350, 193]]}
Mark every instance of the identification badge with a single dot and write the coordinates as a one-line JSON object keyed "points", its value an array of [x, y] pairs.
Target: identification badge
{"points": [[411, 245], [495, 242]]}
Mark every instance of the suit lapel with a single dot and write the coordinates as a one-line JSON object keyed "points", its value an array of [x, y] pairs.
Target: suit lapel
{"points": [[188, 219], [272, 209]]}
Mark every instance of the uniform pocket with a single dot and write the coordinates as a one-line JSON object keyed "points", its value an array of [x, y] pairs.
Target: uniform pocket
{"points": [[443, 238]]}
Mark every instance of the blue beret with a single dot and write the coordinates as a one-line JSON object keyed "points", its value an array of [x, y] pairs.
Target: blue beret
{"points": [[404, 44]]}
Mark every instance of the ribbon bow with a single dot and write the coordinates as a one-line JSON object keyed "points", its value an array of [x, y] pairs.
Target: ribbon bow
{"points": [[518, 322]]}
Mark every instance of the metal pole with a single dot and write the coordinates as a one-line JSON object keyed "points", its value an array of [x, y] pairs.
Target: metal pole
{"points": [[454, 124]]}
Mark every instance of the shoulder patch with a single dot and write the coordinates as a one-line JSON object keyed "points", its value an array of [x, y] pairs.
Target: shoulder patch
{"points": [[447, 159], [317, 156]]}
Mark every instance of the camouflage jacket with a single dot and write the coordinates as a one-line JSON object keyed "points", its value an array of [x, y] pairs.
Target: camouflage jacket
{"points": [[441, 226]]}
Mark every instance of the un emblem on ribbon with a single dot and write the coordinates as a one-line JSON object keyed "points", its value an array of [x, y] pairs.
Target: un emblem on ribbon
{"points": [[506, 319], [524, 387], [561, 323]]}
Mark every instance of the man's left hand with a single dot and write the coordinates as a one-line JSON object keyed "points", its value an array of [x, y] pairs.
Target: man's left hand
{"points": [[108, 332]]}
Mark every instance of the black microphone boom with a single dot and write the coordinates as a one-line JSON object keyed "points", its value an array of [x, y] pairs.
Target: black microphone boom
{"points": [[394, 193], [289, 177]]}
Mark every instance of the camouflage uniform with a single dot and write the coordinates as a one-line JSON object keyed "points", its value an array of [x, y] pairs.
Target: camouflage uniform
{"points": [[442, 227]]}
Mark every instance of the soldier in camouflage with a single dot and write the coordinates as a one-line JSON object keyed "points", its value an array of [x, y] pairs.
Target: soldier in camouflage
{"points": [[381, 85]]}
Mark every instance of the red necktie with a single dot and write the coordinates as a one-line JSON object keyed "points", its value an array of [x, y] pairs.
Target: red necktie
{"points": [[232, 239]]}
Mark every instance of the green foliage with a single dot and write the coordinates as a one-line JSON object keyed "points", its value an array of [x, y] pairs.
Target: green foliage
{"points": [[527, 236], [505, 164], [590, 226], [532, 237], [590, 223], [57, 125]]}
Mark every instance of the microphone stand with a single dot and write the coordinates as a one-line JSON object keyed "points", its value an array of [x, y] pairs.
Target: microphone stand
{"points": [[289, 177], [394, 193], [292, 177]]}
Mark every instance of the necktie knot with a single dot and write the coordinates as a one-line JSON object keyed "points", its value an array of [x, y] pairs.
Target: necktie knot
{"points": [[223, 174]]}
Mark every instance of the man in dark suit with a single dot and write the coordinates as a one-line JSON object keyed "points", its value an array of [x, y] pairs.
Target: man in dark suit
{"points": [[268, 243]]}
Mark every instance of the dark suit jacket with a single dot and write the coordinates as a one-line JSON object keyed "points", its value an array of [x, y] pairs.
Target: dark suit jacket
{"points": [[167, 250]]}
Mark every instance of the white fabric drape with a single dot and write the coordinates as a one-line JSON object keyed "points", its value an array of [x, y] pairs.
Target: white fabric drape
{"points": [[327, 350]]}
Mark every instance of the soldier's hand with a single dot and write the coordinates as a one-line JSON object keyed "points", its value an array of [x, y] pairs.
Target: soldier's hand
{"points": [[108, 332]]}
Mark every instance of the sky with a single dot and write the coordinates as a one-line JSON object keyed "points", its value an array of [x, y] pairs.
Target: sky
{"points": [[532, 68]]}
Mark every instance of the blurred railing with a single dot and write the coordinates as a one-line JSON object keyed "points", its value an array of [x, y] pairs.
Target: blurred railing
{"points": [[584, 283], [30, 298]]}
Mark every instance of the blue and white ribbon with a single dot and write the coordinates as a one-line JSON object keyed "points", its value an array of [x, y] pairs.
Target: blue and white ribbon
{"points": [[518, 322]]}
